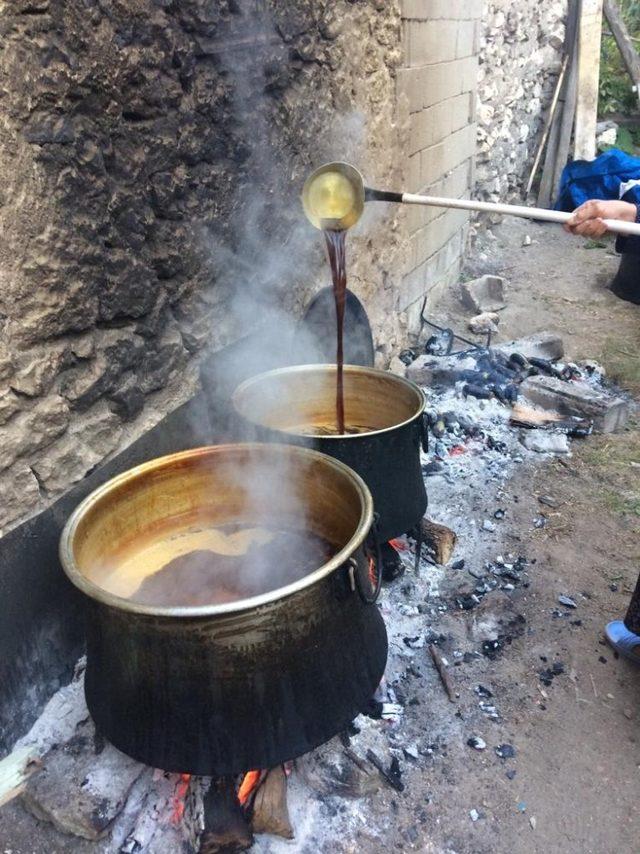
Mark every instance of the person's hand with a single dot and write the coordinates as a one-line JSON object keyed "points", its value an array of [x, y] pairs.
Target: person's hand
{"points": [[587, 220]]}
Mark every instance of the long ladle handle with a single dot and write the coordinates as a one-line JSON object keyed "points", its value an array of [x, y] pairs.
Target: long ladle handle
{"points": [[543, 214]]}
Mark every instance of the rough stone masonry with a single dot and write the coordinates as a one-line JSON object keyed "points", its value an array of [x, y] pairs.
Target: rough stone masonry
{"points": [[132, 136], [520, 58]]}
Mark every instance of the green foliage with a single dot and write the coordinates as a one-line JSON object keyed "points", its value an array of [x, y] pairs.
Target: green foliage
{"points": [[616, 92]]}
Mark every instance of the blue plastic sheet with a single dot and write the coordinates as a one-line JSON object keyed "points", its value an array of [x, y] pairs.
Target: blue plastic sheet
{"points": [[601, 178], [612, 175]]}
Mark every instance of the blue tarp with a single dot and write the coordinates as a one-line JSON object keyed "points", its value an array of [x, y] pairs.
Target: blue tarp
{"points": [[597, 179]]}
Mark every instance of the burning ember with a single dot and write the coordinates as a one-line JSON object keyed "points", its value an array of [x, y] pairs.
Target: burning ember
{"points": [[179, 799], [249, 784]]}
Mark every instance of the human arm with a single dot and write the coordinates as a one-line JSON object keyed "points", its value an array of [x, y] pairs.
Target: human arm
{"points": [[587, 220]]}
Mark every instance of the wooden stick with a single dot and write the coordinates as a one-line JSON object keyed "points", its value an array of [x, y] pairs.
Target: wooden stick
{"points": [[624, 42], [444, 674], [542, 214], [548, 123]]}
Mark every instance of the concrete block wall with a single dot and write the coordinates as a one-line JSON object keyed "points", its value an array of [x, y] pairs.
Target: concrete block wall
{"points": [[439, 81]]}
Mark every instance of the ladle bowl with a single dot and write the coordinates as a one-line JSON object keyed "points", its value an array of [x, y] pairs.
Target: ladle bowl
{"points": [[333, 196]]}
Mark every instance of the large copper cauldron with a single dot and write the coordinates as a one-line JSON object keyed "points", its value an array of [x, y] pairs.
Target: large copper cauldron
{"points": [[246, 684], [298, 405]]}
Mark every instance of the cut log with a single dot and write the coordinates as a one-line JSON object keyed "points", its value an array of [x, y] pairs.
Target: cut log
{"points": [[608, 414], [439, 539], [15, 770], [270, 810], [624, 42]]}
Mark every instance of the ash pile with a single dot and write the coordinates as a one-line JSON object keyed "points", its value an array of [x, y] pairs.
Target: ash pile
{"points": [[449, 614]]}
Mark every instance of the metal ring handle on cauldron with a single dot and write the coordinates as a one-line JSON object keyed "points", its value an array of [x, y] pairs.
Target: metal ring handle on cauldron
{"points": [[367, 597], [424, 432]]}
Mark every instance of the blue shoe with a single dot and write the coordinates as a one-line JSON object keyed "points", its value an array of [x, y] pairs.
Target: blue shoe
{"points": [[623, 641]]}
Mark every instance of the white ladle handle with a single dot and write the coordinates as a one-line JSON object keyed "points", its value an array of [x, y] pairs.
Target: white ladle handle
{"points": [[614, 225]]}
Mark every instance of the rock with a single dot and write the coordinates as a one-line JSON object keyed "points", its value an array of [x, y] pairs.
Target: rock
{"points": [[486, 322], [485, 294], [33, 430], [505, 751], [545, 442], [477, 743], [541, 345], [397, 366], [567, 601], [609, 414], [20, 494], [40, 368], [87, 443], [127, 400], [433, 370], [118, 350], [9, 406], [159, 362]]}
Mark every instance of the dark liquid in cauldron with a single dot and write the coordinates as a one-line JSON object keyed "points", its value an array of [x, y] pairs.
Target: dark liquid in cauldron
{"points": [[338, 261], [205, 577]]}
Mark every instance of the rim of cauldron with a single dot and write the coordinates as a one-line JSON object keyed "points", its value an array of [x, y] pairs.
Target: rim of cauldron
{"points": [[359, 369], [94, 591]]}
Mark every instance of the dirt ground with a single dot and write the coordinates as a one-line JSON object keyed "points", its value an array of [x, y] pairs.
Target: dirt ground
{"points": [[573, 783], [578, 752]]}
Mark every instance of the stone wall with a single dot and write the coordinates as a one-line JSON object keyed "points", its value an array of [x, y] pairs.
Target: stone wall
{"points": [[438, 84], [520, 58], [151, 152]]}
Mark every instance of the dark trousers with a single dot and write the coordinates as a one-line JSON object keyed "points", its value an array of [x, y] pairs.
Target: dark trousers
{"points": [[632, 620]]}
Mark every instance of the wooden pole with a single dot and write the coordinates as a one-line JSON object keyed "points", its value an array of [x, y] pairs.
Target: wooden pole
{"points": [[588, 79], [548, 124], [560, 136], [624, 42]]}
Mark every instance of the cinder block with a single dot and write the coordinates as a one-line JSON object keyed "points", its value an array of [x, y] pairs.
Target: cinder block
{"points": [[411, 83], [455, 185], [436, 123], [431, 42], [446, 155], [427, 275], [465, 39], [430, 10], [448, 79]]}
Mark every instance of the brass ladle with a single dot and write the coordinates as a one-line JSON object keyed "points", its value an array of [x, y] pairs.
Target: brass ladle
{"points": [[333, 198]]}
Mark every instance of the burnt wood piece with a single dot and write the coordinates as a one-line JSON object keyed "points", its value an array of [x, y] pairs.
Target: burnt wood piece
{"points": [[443, 672], [270, 810], [392, 778], [439, 539], [225, 826], [632, 619], [609, 414]]}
